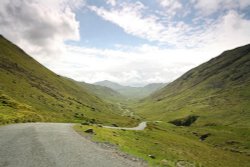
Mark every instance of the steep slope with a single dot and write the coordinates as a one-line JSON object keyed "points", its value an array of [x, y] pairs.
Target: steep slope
{"points": [[30, 92], [217, 91], [132, 92]]}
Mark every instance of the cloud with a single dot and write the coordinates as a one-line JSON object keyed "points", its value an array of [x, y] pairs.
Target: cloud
{"points": [[129, 16], [202, 31], [172, 6], [40, 27], [111, 2], [244, 4], [183, 35], [229, 31], [132, 66], [212, 6]]}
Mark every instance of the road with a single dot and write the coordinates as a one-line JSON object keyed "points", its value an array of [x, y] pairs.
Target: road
{"points": [[141, 126], [54, 145]]}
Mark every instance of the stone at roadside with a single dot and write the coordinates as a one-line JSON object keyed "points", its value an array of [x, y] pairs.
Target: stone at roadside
{"points": [[204, 136], [84, 123], [91, 131], [183, 163], [164, 162], [151, 156], [99, 125]]}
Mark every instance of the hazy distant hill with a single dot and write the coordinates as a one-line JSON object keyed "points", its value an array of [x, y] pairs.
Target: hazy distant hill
{"points": [[132, 92], [30, 92], [104, 92], [112, 85]]}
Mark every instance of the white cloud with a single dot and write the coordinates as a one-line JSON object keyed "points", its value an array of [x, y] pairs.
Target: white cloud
{"points": [[131, 19], [111, 2], [171, 6], [244, 3], [133, 66], [229, 31], [147, 64], [40, 27], [212, 6]]}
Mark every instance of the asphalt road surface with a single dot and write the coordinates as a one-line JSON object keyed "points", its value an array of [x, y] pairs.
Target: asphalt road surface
{"points": [[54, 145]]}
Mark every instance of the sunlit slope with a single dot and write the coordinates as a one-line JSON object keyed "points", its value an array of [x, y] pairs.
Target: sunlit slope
{"points": [[217, 92], [30, 92]]}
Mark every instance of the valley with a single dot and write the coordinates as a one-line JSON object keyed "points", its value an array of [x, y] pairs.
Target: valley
{"points": [[122, 83], [200, 119]]}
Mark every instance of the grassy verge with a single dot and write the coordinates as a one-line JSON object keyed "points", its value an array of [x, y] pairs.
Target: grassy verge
{"points": [[171, 146]]}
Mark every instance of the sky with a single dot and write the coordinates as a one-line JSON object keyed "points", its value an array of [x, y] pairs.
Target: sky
{"points": [[131, 42]]}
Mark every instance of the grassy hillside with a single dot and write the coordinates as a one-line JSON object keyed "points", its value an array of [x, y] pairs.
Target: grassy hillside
{"points": [[130, 92], [30, 92], [217, 91], [200, 119]]}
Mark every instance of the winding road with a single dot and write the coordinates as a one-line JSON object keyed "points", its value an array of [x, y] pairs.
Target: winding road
{"points": [[55, 145], [141, 126]]}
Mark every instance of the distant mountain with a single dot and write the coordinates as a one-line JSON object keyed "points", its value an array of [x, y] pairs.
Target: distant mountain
{"points": [[132, 92], [30, 92], [104, 92], [154, 87], [217, 92], [112, 85]]}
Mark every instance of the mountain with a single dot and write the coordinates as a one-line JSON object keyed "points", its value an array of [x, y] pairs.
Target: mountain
{"points": [[150, 88], [218, 92], [30, 92], [112, 85], [132, 92], [104, 92]]}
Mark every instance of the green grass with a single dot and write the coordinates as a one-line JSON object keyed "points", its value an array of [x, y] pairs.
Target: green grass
{"points": [[170, 144]]}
